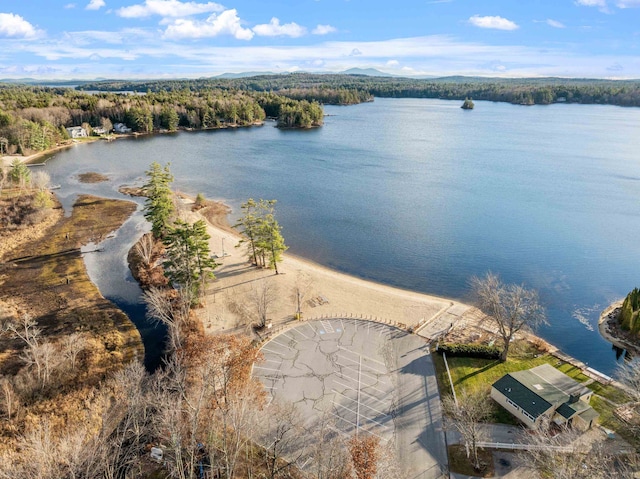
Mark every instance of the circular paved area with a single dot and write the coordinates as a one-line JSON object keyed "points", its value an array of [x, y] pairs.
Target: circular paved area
{"points": [[367, 376]]}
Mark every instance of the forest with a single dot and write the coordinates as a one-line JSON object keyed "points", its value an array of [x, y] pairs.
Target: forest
{"points": [[34, 118], [342, 89]]}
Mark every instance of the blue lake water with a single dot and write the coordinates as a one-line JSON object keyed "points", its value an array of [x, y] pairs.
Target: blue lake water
{"points": [[421, 194]]}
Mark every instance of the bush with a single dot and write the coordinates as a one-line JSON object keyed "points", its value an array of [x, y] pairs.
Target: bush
{"points": [[470, 350]]}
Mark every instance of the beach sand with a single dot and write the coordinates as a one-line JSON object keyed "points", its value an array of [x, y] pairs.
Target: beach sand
{"points": [[230, 303]]}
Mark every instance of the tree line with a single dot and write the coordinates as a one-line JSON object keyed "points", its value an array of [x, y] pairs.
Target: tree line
{"points": [[348, 89], [34, 118]]}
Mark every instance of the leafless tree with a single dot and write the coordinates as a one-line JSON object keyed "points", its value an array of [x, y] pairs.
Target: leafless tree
{"points": [[565, 455], [170, 311], [511, 307], [40, 180], [37, 353], [9, 395], [328, 449], [301, 290], [72, 346], [280, 436], [262, 297], [126, 424], [628, 373], [388, 465], [144, 248], [471, 409], [4, 174]]}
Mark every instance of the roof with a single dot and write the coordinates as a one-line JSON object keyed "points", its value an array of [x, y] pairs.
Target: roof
{"points": [[524, 397], [568, 410], [541, 387], [538, 389], [558, 379]]}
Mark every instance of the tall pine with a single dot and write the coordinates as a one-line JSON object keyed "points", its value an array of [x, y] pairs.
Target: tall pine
{"points": [[158, 206]]}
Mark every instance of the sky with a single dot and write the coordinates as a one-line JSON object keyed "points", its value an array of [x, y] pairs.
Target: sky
{"points": [[144, 39]]}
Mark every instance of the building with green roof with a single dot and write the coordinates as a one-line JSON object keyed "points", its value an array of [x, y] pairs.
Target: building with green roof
{"points": [[544, 392]]}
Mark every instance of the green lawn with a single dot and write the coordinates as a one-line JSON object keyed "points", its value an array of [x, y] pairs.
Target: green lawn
{"points": [[610, 392], [480, 374]]}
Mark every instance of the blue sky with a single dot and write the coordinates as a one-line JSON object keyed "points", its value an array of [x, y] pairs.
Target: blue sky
{"points": [[87, 39]]}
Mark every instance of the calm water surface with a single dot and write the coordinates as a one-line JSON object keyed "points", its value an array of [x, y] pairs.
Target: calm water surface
{"points": [[422, 195]]}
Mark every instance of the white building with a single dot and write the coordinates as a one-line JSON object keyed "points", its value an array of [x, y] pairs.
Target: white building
{"points": [[121, 128], [77, 132]]}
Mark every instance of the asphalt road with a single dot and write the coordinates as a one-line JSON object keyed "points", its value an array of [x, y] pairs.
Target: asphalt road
{"points": [[368, 377]]}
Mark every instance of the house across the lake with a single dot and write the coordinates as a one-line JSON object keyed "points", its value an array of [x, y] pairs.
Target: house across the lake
{"points": [[545, 392], [77, 132], [121, 128]]}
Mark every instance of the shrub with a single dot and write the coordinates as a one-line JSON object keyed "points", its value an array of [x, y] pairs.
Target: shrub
{"points": [[470, 350]]}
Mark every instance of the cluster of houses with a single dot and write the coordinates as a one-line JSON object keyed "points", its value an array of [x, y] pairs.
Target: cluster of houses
{"points": [[80, 132]]}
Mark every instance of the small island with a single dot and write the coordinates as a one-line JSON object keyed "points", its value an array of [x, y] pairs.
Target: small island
{"points": [[468, 104]]}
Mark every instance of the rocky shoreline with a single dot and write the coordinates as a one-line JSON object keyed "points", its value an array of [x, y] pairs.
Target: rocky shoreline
{"points": [[610, 329]]}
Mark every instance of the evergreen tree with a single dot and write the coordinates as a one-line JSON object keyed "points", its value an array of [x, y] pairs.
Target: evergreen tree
{"points": [[158, 207], [189, 263]]}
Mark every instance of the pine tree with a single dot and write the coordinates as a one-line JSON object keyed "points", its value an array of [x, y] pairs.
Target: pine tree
{"points": [[158, 207], [189, 263]]}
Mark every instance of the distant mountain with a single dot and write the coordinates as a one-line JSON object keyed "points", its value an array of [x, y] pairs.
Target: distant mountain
{"points": [[244, 74], [370, 72]]}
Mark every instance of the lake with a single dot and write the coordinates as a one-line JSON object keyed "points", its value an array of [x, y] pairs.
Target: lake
{"points": [[420, 194]]}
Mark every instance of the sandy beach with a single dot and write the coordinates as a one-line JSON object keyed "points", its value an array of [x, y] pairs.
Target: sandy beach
{"points": [[230, 302]]}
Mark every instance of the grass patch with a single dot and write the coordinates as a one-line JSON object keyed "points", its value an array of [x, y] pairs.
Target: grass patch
{"points": [[610, 421], [573, 372], [610, 392], [460, 464]]}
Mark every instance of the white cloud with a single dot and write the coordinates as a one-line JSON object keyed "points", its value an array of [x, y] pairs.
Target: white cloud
{"points": [[168, 8], [429, 55], [498, 23], [628, 3], [355, 52], [393, 63], [14, 26], [601, 4], [274, 29], [70, 5], [592, 3], [95, 5], [555, 23], [324, 30], [226, 23]]}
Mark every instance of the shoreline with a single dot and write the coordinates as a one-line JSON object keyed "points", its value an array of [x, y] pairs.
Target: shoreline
{"points": [[608, 322]]}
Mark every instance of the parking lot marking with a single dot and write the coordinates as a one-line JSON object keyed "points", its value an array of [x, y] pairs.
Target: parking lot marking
{"points": [[277, 353], [327, 326], [268, 369]]}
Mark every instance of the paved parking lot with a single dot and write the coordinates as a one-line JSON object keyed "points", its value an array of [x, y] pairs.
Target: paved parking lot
{"points": [[367, 376]]}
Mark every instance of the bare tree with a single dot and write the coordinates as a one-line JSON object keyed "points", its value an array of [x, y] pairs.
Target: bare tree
{"points": [[628, 373], [144, 248], [565, 455], [9, 395], [262, 298], [172, 311], [511, 307], [37, 353], [72, 346], [40, 180], [301, 289], [467, 415], [328, 451], [282, 425]]}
